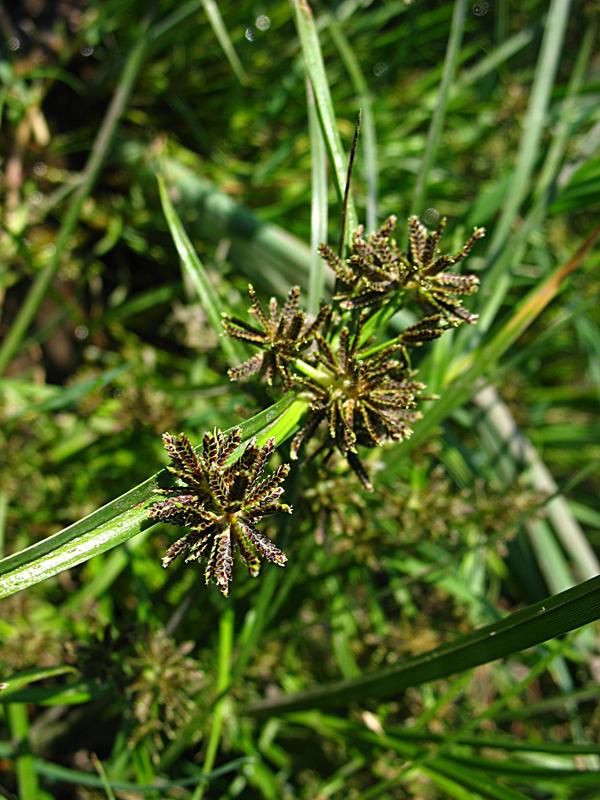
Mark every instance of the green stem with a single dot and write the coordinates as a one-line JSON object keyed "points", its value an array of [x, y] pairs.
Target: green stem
{"points": [[3, 512], [95, 161], [324, 378], [226, 628], [19, 731]]}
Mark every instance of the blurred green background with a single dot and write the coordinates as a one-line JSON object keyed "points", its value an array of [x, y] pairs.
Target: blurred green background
{"points": [[485, 112]]}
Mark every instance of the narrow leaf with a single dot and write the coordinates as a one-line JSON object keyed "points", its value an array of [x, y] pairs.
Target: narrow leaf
{"points": [[198, 275], [532, 625], [315, 68], [220, 31]]}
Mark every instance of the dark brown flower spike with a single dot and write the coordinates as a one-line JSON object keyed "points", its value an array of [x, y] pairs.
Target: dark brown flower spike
{"points": [[374, 268], [365, 400], [281, 335], [221, 503], [434, 285]]}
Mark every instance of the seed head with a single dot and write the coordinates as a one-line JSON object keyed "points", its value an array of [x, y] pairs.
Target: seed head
{"points": [[281, 336], [221, 503], [376, 270], [373, 270], [427, 271], [365, 399]]}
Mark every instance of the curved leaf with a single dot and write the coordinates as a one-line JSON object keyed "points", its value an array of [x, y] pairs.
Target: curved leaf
{"points": [[532, 625]]}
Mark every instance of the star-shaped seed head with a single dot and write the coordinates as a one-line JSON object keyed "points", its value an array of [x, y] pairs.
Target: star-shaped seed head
{"points": [[365, 399], [374, 268], [427, 271], [221, 501], [281, 335]]}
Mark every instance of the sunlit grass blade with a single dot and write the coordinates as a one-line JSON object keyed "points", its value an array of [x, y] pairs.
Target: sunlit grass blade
{"points": [[18, 680], [319, 204], [198, 275], [369, 143], [497, 279], [315, 68], [218, 26], [532, 625], [76, 693]]}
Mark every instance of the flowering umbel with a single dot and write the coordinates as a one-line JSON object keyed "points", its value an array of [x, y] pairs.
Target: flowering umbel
{"points": [[221, 503], [428, 275], [281, 336], [358, 383], [365, 398], [376, 269]]}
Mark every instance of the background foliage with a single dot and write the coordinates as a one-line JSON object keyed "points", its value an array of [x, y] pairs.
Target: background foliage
{"points": [[122, 677]]}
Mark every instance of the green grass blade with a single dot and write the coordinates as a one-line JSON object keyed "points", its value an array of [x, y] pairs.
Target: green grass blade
{"points": [[535, 119], [78, 692], [530, 626], [18, 680], [226, 631], [437, 121], [497, 57], [473, 779], [3, 513], [499, 742], [319, 204], [497, 280], [103, 777], [198, 275], [218, 26], [257, 246], [69, 396], [315, 69], [100, 150], [365, 100], [19, 729], [60, 774]]}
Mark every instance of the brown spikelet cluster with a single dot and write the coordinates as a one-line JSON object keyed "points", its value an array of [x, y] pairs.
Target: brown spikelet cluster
{"points": [[428, 275], [281, 335], [221, 501], [365, 399], [376, 270]]}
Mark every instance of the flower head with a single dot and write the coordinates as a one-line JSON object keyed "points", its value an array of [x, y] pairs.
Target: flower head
{"points": [[376, 269], [222, 501], [366, 399], [428, 275], [281, 336]]}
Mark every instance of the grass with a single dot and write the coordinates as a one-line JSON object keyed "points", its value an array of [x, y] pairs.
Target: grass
{"points": [[433, 639]]}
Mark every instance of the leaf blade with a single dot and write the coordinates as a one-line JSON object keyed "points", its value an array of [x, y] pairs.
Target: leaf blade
{"points": [[530, 626]]}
